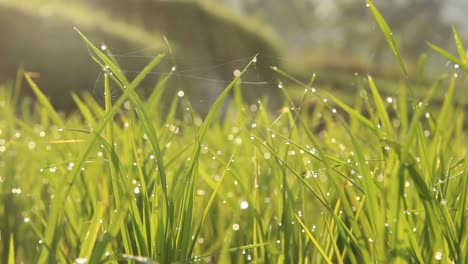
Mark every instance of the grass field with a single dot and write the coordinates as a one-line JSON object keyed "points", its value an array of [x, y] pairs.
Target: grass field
{"points": [[382, 181]]}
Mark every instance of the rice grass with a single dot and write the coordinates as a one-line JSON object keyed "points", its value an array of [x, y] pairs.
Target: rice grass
{"points": [[384, 180]]}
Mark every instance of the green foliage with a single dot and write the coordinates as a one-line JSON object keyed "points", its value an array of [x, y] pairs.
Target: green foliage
{"points": [[384, 181]]}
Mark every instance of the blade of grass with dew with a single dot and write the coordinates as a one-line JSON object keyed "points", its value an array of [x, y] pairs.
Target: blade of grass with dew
{"points": [[186, 219], [448, 56], [314, 241], [44, 102], [415, 122], [289, 168], [146, 124], [91, 235], [209, 204], [388, 34], [372, 205], [332, 159], [381, 110], [444, 120], [51, 234], [118, 220], [460, 217], [460, 47], [353, 113], [142, 212]]}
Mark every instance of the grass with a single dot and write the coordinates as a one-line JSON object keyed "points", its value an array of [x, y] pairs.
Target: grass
{"points": [[384, 180]]}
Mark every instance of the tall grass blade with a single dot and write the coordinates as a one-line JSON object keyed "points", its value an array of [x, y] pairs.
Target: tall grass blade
{"points": [[44, 102], [387, 33], [11, 251]]}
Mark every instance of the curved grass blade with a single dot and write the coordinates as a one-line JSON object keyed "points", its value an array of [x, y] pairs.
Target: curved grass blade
{"points": [[448, 56], [388, 34], [44, 102]]}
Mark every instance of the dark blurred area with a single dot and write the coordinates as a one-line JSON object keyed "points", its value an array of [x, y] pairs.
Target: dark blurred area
{"points": [[206, 41]]}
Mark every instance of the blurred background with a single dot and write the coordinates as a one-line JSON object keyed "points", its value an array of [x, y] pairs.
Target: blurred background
{"points": [[205, 41]]}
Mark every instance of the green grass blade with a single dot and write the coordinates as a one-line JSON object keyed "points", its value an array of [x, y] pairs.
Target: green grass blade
{"points": [[11, 251], [91, 235], [44, 102], [387, 33], [381, 110], [448, 56], [314, 241], [460, 47], [354, 114]]}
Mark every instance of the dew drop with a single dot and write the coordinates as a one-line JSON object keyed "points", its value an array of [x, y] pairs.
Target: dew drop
{"points": [[235, 227], [127, 105], [103, 47], [180, 93], [81, 261], [237, 73], [244, 205]]}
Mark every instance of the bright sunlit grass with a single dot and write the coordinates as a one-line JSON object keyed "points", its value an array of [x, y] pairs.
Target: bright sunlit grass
{"points": [[384, 180]]}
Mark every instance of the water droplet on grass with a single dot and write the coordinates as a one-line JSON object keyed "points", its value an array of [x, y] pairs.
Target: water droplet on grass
{"points": [[81, 261], [236, 73], [280, 85], [181, 93], [103, 47], [235, 227], [244, 205], [438, 255], [126, 105]]}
